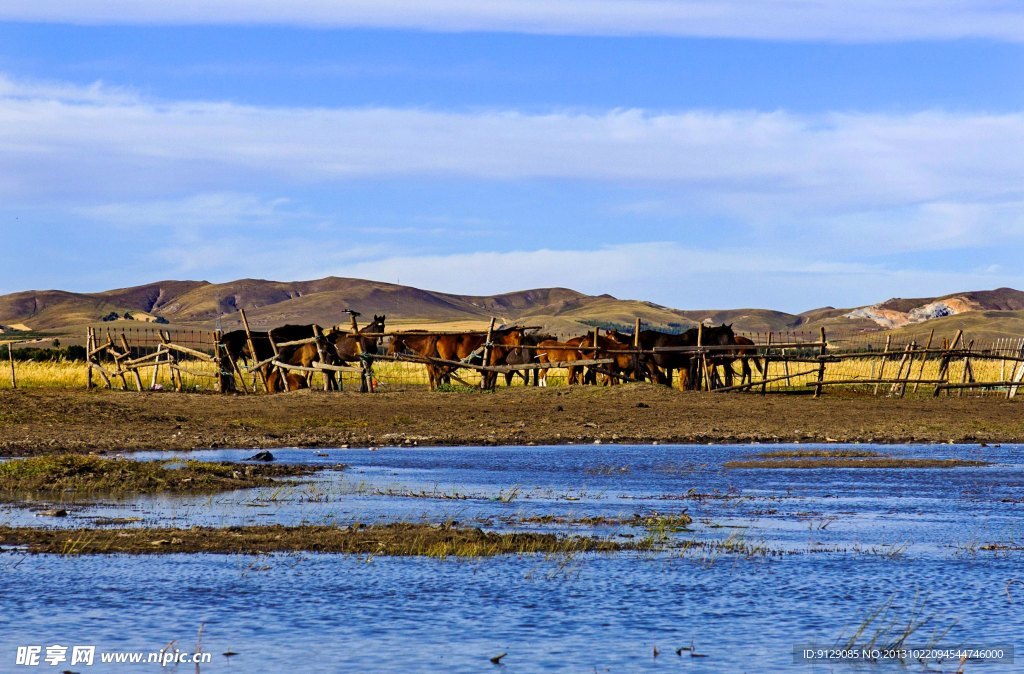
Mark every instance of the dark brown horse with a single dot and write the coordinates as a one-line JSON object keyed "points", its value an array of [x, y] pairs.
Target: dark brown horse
{"points": [[659, 365], [521, 355], [236, 344], [714, 336], [350, 346], [745, 352]]}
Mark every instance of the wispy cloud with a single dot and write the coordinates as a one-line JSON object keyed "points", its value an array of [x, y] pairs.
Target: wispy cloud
{"points": [[222, 209], [850, 20]]}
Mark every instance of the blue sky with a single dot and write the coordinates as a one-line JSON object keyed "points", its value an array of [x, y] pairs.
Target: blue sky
{"points": [[694, 153]]}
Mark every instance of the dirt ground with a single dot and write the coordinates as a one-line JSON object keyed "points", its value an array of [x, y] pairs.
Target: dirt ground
{"points": [[44, 421]]}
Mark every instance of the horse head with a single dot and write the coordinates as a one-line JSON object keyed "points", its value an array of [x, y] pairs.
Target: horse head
{"points": [[372, 343]]}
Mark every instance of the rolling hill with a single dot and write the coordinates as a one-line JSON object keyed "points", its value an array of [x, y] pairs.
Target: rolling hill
{"points": [[199, 304]]}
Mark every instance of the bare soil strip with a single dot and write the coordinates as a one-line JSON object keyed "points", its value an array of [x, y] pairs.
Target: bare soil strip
{"points": [[48, 421]]}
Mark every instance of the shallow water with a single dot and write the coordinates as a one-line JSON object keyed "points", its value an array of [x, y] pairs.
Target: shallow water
{"points": [[853, 540]]}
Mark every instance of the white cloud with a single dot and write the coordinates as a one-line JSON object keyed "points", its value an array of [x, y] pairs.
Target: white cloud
{"points": [[677, 275], [849, 20], [927, 179]]}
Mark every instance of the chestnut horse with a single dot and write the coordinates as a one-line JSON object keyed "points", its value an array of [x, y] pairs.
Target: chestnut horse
{"points": [[469, 346], [466, 347], [305, 355], [422, 344], [552, 351]]}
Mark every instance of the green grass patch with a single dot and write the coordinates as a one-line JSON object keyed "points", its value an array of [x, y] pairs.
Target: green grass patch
{"points": [[457, 388]]}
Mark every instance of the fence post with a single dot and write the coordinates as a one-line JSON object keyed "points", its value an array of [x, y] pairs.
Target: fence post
{"points": [[944, 365], [260, 372], [135, 368], [885, 356], [322, 355], [968, 373], [10, 357], [88, 358], [225, 377], [172, 362], [764, 380], [822, 352], [117, 360], [281, 371], [1017, 372], [487, 355], [636, 351], [705, 378], [924, 358]]}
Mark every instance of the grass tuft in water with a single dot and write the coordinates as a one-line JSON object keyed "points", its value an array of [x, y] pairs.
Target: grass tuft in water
{"points": [[878, 462], [808, 453], [399, 539], [88, 473]]}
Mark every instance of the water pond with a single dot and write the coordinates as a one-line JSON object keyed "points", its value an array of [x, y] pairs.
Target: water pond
{"points": [[774, 560]]}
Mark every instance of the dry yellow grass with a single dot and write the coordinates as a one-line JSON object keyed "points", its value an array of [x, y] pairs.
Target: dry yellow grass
{"points": [[396, 376]]}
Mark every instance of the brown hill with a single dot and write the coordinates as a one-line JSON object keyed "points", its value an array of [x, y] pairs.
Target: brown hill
{"points": [[200, 304]]}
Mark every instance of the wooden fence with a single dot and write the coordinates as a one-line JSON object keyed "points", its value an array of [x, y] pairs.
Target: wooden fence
{"points": [[785, 362]]}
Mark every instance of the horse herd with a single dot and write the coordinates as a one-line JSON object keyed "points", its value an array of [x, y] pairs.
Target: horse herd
{"points": [[651, 355]]}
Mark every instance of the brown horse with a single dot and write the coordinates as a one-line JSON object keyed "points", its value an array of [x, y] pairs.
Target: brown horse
{"points": [[609, 345], [350, 346], [464, 347], [305, 355], [551, 351], [469, 346], [422, 344]]}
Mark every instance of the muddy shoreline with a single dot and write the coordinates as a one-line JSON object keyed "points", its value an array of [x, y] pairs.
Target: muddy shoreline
{"points": [[37, 422]]}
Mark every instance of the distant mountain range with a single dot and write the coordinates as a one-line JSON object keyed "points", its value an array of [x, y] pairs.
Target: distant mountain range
{"points": [[199, 304]]}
